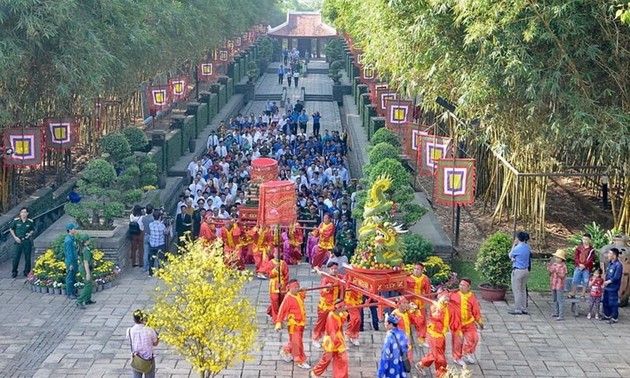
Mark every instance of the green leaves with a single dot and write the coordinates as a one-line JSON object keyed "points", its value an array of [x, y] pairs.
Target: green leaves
{"points": [[493, 263]]}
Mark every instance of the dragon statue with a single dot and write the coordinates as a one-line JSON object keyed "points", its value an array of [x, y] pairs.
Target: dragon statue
{"points": [[380, 246]]}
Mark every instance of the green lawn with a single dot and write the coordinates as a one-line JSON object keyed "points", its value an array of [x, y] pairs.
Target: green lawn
{"points": [[538, 280]]}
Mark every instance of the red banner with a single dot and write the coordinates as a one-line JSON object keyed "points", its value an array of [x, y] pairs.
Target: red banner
{"points": [[60, 132], [26, 144], [158, 97], [179, 88], [455, 182], [207, 71], [277, 203]]}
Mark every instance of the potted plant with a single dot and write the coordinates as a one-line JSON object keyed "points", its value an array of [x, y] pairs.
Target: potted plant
{"points": [[494, 266]]}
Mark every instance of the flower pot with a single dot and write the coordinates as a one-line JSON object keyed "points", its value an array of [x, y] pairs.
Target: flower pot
{"points": [[100, 287], [107, 285], [57, 290], [41, 289], [33, 288], [51, 290], [63, 291], [492, 294]]}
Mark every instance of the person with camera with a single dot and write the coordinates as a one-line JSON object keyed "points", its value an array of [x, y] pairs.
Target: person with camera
{"points": [[520, 256], [143, 341], [158, 229]]}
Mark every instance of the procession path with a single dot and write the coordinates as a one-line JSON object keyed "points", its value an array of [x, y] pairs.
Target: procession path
{"points": [[47, 336]]}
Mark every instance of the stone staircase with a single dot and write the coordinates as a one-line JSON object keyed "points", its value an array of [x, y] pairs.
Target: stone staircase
{"points": [[318, 97]]}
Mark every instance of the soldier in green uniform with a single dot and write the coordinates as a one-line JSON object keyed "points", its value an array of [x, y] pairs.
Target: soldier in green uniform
{"points": [[347, 241], [86, 264], [22, 230]]}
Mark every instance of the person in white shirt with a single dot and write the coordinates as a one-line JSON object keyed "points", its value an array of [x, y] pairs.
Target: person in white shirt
{"points": [[225, 166], [221, 150], [216, 201], [182, 202], [255, 153], [265, 120], [196, 185], [192, 166], [213, 140]]}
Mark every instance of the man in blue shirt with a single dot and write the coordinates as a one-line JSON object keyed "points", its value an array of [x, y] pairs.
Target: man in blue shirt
{"points": [[610, 302], [71, 259], [520, 256], [281, 74], [303, 120]]}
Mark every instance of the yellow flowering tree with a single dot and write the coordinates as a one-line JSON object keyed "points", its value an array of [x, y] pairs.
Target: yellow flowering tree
{"points": [[201, 311]]}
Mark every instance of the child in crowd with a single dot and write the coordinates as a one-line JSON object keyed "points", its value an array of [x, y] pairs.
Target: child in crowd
{"points": [[557, 269], [596, 291]]}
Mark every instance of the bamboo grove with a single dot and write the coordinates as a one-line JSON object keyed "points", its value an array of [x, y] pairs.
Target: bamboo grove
{"points": [[549, 82], [57, 57]]}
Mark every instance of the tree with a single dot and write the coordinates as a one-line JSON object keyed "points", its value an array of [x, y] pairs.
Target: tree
{"points": [[549, 82], [201, 309]]}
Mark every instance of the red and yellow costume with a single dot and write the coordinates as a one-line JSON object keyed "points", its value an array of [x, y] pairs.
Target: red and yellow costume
{"points": [[326, 304], [231, 246], [292, 309], [353, 298], [262, 244], [326, 234], [469, 313], [208, 232], [406, 319], [440, 320], [334, 345], [296, 238], [278, 273], [420, 286]]}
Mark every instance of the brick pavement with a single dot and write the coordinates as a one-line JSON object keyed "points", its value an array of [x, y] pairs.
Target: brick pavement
{"points": [[47, 336]]}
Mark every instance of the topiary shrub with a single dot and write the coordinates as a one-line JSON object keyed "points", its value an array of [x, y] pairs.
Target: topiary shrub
{"points": [[493, 263], [417, 248], [137, 139], [334, 73], [394, 169], [385, 135], [383, 151], [438, 271], [116, 145]]}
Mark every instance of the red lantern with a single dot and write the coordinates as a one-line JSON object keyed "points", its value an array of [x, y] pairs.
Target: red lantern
{"points": [[264, 169]]}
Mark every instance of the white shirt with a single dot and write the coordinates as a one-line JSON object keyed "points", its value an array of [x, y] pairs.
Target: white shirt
{"points": [[133, 218], [221, 151], [191, 168], [213, 141]]}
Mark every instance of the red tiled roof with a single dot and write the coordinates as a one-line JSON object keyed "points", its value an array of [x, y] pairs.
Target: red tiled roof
{"points": [[303, 24]]}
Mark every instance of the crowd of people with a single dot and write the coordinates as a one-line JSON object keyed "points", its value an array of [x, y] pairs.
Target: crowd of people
{"points": [[220, 183]]}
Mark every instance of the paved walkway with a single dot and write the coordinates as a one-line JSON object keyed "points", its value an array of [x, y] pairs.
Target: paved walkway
{"points": [[47, 336]]}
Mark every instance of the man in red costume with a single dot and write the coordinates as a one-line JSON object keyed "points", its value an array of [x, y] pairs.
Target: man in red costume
{"points": [[440, 320], [208, 231], [465, 302], [326, 234], [296, 238], [231, 235], [420, 284], [328, 295], [353, 298], [292, 309], [409, 316], [278, 273], [262, 244], [334, 344]]}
